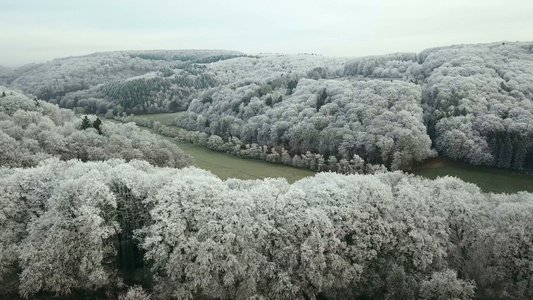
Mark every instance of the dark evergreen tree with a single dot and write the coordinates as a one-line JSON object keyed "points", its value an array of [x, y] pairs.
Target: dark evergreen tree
{"points": [[173, 106], [96, 124], [268, 101], [522, 147], [506, 152], [86, 123], [321, 100], [291, 86], [3, 94]]}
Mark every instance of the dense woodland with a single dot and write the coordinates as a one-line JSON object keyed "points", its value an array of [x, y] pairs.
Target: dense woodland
{"points": [[384, 236], [92, 206], [469, 102], [32, 130]]}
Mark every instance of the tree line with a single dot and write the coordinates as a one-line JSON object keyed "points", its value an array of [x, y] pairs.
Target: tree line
{"points": [[183, 233]]}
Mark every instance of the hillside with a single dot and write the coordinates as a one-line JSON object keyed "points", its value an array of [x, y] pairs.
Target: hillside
{"points": [[4, 73], [32, 131], [93, 208], [468, 102], [54, 80]]}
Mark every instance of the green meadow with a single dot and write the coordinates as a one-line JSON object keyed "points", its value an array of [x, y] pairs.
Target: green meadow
{"points": [[228, 166], [488, 179]]}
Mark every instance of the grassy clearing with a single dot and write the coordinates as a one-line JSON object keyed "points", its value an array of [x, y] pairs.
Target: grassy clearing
{"points": [[488, 179], [228, 166], [163, 118]]}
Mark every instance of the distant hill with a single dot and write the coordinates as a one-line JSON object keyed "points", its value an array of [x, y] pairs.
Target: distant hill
{"points": [[4, 73], [146, 81], [475, 102], [53, 80], [4, 69]]}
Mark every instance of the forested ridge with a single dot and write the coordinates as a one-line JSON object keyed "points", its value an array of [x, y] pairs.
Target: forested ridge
{"points": [[468, 102], [92, 207]]}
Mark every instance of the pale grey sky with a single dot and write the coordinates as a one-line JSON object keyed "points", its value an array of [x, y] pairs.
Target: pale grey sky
{"points": [[38, 30]]}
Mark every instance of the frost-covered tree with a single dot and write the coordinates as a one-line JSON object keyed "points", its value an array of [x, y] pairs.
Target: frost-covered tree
{"points": [[69, 245], [378, 121], [445, 285], [135, 293], [382, 236], [33, 131], [478, 103]]}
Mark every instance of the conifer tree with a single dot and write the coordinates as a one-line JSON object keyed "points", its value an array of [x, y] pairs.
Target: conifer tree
{"points": [[96, 124], [86, 123]]}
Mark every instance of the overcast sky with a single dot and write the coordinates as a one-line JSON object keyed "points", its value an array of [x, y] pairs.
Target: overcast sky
{"points": [[40, 30]]}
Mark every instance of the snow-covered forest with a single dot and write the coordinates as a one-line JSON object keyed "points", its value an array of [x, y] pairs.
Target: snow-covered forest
{"points": [[94, 206], [67, 226], [33, 130], [467, 102]]}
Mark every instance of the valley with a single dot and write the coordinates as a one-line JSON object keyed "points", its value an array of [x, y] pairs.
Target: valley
{"points": [[148, 209], [226, 166]]}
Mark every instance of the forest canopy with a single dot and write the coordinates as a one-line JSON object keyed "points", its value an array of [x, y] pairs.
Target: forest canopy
{"points": [[33, 130], [121, 206], [473, 102], [384, 236]]}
